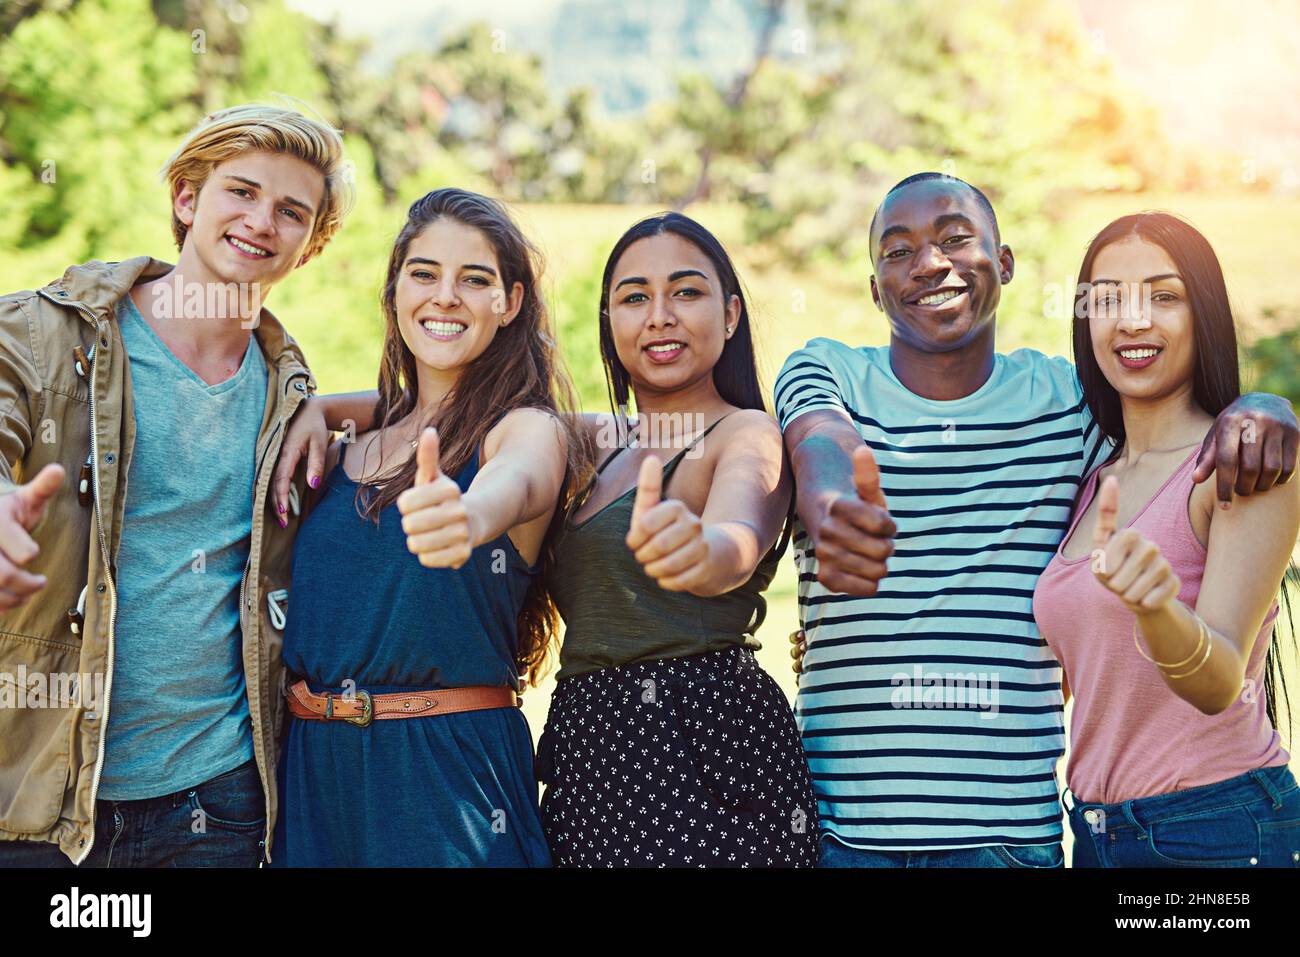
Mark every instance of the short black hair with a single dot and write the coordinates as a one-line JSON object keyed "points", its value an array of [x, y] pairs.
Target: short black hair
{"points": [[925, 177]]}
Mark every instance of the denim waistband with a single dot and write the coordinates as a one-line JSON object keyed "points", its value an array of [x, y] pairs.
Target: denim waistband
{"points": [[1272, 782]]}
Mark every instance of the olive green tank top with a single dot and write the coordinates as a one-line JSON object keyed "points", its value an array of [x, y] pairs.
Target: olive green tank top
{"points": [[615, 614]]}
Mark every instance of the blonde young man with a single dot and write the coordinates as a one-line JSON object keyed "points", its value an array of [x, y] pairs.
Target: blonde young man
{"points": [[141, 584]]}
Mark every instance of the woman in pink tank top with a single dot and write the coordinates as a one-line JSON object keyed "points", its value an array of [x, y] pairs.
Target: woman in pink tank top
{"points": [[1159, 605]]}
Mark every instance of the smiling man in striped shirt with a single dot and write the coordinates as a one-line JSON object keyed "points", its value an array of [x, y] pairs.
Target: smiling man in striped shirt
{"points": [[930, 707]]}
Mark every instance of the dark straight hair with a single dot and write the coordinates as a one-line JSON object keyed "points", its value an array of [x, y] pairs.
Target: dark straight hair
{"points": [[736, 373], [1216, 378]]}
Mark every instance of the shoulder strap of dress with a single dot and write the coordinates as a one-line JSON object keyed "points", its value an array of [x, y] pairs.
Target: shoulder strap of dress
{"points": [[576, 502], [672, 463]]}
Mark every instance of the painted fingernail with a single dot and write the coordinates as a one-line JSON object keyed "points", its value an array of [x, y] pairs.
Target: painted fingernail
{"points": [[280, 507], [314, 481], [283, 523]]}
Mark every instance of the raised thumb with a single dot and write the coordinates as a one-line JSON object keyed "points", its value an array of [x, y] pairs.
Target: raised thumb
{"points": [[426, 457], [649, 487], [36, 494], [866, 477], [1107, 509]]}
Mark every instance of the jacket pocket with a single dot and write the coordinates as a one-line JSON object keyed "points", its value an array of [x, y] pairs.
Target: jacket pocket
{"points": [[39, 691]]}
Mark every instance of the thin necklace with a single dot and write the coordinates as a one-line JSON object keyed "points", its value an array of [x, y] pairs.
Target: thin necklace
{"points": [[365, 458], [1176, 448]]}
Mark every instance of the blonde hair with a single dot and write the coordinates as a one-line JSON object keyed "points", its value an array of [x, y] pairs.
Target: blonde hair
{"points": [[271, 129]]}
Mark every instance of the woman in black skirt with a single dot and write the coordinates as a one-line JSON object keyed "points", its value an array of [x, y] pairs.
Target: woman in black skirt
{"points": [[666, 744]]}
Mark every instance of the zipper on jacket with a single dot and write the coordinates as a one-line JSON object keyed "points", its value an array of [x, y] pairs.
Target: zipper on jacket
{"points": [[112, 586], [112, 598], [246, 613]]}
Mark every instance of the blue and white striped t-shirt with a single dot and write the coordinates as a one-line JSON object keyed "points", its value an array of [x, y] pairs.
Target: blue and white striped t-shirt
{"points": [[931, 712]]}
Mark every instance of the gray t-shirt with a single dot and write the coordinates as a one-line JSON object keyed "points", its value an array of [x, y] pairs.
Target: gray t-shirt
{"points": [[178, 712]]}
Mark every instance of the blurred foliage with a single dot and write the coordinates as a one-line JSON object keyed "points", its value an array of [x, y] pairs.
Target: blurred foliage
{"points": [[785, 163], [1008, 94], [1274, 361]]}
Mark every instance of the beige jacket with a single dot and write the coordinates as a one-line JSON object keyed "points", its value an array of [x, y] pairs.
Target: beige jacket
{"points": [[53, 409]]}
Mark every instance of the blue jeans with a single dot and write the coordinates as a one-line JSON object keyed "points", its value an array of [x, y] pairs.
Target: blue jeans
{"points": [[219, 823], [1252, 820], [835, 853]]}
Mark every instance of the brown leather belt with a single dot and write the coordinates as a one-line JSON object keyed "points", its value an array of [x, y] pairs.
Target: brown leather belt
{"points": [[362, 707]]}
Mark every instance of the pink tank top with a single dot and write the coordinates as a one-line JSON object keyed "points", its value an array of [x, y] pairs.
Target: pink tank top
{"points": [[1131, 736]]}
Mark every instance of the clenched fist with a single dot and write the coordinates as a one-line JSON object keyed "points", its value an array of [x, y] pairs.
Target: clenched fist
{"points": [[798, 648]]}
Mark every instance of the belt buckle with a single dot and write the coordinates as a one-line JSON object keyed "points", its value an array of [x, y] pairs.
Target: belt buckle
{"points": [[363, 720]]}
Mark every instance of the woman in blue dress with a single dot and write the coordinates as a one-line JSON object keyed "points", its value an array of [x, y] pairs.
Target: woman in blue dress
{"points": [[417, 608]]}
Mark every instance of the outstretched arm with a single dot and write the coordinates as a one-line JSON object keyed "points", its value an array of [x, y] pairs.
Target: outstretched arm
{"points": [[1204, 650], [519, 484], [21, 506], [840, 502], [749, 498]]}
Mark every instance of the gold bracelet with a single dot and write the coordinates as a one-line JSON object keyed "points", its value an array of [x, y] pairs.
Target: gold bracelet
{"points": [[1204, 636], [1209, 646]]}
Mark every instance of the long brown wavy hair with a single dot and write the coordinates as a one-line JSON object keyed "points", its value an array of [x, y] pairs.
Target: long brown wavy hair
{"points": [[519, 369]]}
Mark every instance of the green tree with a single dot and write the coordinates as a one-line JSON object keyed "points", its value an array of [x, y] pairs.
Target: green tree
{"points": [[1274, 361], [91, 99], [1007, 95]]}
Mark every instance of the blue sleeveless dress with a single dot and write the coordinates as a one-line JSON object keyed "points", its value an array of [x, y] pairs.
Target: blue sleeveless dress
{"points": [[450, 790]]}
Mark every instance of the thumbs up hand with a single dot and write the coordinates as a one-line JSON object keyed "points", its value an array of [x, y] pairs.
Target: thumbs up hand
{"points": [[667, 538], [434, 516], [866, 478], [21, 510], [1126, 562], [854, 534]]}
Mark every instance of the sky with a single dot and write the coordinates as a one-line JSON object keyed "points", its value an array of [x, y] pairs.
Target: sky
{"points": [[1221, 72]]}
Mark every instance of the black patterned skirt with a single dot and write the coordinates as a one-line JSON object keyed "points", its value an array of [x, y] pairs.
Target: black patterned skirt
{"points": [[685, 762]]}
